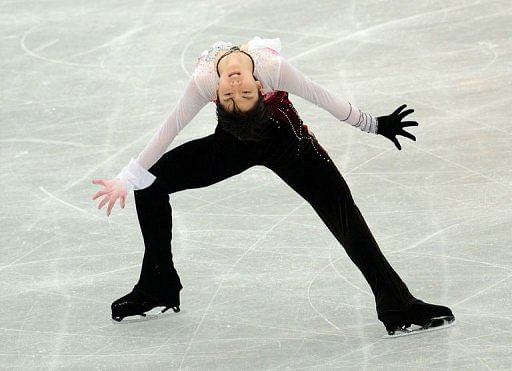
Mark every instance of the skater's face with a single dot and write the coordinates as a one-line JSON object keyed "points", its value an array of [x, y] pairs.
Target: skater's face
{"points": [[237, 86]]}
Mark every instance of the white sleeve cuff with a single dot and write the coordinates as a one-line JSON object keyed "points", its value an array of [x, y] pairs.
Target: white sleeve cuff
{"points": [[136, 176]]}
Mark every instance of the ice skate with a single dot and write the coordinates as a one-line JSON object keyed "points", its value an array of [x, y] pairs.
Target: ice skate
{"points": [[138, 303], [421, 317]]}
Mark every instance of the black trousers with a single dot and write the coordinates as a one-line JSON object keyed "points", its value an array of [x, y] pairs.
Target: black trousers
{"points": [[297, 159]]}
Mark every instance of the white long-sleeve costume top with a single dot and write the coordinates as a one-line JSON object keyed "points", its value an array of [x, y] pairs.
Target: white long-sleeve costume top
{"points": [[274, 73]]}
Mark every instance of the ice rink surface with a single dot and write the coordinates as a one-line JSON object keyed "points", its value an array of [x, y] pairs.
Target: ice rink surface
{"points": [[266, 286]]}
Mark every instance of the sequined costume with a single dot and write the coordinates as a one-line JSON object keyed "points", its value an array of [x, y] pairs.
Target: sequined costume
{"points": [[271, 69]]}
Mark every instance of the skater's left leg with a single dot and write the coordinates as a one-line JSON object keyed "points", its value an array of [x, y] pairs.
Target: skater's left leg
{"points": [[312, 174], [315, 177]]}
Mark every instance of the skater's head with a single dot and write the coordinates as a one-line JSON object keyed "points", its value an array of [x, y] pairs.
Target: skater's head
{"points": [[238, 90], [257, 114]]}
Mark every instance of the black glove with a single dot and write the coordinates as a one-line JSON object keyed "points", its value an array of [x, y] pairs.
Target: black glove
{"points": [[390, 126]]}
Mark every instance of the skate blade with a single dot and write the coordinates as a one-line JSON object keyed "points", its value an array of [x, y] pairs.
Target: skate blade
{"points": [[437, 323], [150, 315]]}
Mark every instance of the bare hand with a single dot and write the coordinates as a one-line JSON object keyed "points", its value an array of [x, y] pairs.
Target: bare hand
{"points": [[114, 189]]}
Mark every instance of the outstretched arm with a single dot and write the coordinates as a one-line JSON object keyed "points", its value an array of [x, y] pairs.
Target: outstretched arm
{"points": [[135, 175], [290, 79]]}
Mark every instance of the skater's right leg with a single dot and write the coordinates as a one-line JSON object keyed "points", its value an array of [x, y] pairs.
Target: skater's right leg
{"points": [[195, 164]]}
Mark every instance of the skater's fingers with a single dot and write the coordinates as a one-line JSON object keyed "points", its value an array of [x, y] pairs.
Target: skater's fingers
{"points": [[122, 199], [397, 143], [111, 205], [103, 201], [395, 112], [99, 181], [407, 135], [409, 123], [405, 113], [99, 193]]}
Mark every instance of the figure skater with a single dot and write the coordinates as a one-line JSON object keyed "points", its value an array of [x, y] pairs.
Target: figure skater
{"points": [[257, 125]]}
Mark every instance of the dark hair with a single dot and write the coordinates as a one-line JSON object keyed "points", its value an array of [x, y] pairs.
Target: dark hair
{"points": [[248, 125]]}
